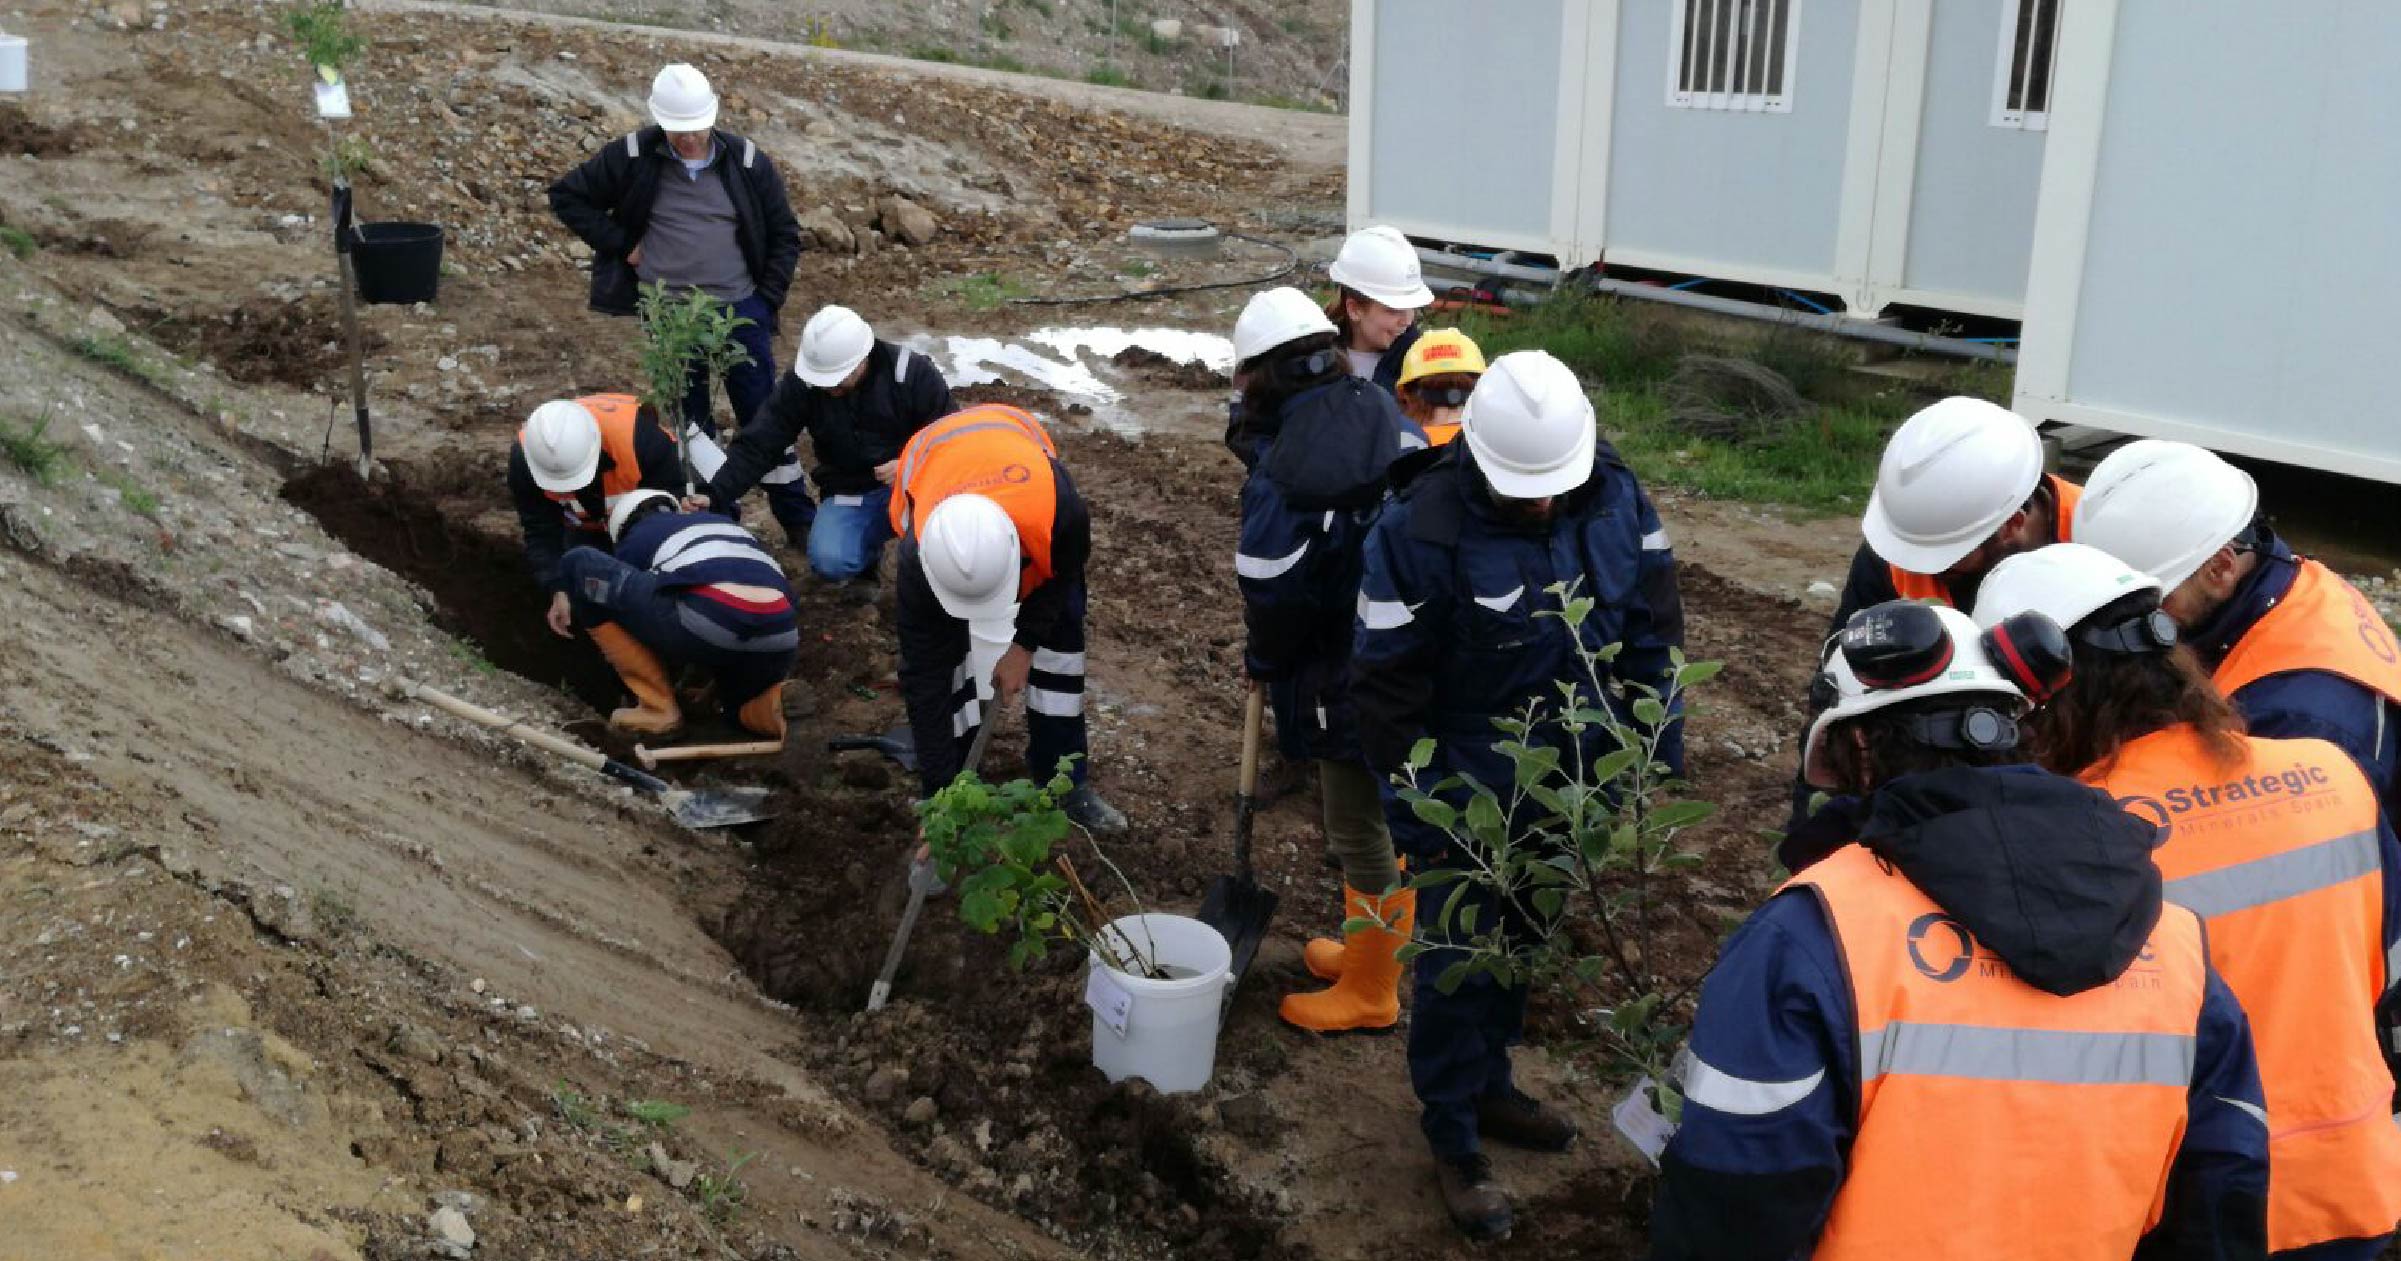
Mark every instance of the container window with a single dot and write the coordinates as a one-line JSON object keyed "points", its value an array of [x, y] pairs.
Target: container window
{"points": [[1734, 54], [2022, 78]]}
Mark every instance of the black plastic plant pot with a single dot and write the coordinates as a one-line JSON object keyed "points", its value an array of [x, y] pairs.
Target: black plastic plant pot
{"points": [[397, 262]]}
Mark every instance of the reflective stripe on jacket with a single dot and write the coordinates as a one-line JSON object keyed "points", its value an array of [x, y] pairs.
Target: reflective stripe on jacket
{"points": [[2064, 494], [2283, 854], [1995, 1119], [991, 450]]}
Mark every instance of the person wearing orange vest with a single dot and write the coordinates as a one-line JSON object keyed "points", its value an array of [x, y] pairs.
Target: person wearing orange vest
{"points": [[1975, 1031], [1437, 375], [990, 596], [2298, 650], [1961, 485], [572, 461], [2280, 848]]}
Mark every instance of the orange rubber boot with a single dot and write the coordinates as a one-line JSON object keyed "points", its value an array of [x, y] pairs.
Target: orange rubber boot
{"points": [[654, 712], [1323, 955], [763, 714], [1369, 994]]}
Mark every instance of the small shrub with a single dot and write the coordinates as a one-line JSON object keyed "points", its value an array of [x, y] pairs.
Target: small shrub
{"points": [[1813, 362], [1108, 77], [323, 32], [1039, 6], [996, 843], [17, 241], [577, 1111], [928, 52], [1213, 90], [721, 1195], [682, 334], [30, 452]]}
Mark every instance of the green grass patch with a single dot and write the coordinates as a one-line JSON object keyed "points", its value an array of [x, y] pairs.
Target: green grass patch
{"points": [[1308, 105], [986, 290], [1617, 343], [721, 1195], [137, 500], [28, 450], [1825, 462], [1108, 77], [925, 52], [656, 1113], [112, 351], [17, 241]]}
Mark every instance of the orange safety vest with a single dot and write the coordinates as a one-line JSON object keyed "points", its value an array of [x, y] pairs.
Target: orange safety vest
{"points": [[1996, 1120], [1931, 587], [991, 450], [2279, 855], [1441, 435], [2323, 623], [620, 469]]}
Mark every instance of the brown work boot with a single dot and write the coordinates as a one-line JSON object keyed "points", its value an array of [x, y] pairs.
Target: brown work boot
{"points": [[1518, 1119], [763, 714], [1477, 1205], [654, 712]]}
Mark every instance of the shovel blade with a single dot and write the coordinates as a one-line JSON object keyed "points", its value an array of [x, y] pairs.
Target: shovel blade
{"points": [[1239, 910], [717, 807]]}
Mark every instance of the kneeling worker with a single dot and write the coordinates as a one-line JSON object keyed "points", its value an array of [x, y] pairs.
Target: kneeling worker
{"points": [[1985, 978], [695, 589], [573, 461], [993, 540]]}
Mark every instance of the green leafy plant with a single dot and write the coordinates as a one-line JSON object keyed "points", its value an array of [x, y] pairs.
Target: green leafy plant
{"points": [[1574, 850], [323, 32], [17, 241], [996, 843], [658, 1114], [684, 333], [346, 159], [27, 449], [137, 500], [721, 1195], [573, 1108], [986, 290], [1108, 77]]}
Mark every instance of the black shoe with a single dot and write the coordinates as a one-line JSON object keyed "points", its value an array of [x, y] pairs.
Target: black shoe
{"points": [[1477, 1205], [1516, 1118], [1090, 812]]}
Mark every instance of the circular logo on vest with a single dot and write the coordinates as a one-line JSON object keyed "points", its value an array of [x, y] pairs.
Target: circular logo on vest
{"points": [[2150, 810], [1942, 956], [1017, 474]]}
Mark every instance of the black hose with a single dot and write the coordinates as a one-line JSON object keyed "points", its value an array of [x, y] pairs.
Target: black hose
{"points": [[1292, 262]]}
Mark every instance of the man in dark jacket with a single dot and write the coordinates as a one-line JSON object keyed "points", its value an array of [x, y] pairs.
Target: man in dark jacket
{"points": [[1975, 982], [1451, 634], [860, 400], [684, 205]]}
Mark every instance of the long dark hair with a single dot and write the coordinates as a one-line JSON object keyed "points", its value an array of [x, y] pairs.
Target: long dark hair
{"points": [[2117, 698], [1893, 751], [1276, 374]]}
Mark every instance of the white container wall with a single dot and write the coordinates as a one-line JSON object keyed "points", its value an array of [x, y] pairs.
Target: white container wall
{"points": [[2215, 259], [1841, 146]]}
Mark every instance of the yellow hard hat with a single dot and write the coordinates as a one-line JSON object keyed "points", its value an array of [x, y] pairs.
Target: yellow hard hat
{"points": [[1442, 352]]}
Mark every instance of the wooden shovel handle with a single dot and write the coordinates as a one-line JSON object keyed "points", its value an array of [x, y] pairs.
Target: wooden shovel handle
{"points": [[1253, 716], [650, 757], [540, 739]]}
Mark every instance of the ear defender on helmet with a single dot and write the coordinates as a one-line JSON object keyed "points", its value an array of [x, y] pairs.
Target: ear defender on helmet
{"points": [[1899, 643], [2032, 652], [2144, 633], [1302, 369]]}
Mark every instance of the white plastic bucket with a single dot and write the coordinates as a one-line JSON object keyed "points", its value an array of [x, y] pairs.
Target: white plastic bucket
{"points": [[12, 63], [1170, 1037]]}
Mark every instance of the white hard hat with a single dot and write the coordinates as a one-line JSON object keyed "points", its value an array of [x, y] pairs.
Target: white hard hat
{"points": [[681, 100], [832, 344], [1273, 318], [2066, 582], [2165, 507], [1951, 475], [622, 511], [1530, 426], [1950, 668], [969, 550], [1379, 263], [562, 445]]}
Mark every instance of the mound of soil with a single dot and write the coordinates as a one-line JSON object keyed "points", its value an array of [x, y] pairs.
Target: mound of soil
{"points": [[479, 584], [19, 133], [1154, 366], [297, 343]]}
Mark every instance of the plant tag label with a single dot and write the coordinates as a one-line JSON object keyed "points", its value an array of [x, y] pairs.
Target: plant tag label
{"points": [[1639, 1121], [333, 99], [1109, 1001]]}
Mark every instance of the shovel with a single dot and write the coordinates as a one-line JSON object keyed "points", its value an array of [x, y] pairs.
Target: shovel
{"points": [[709, 808], [898, 744], [922, 881], [1235, 905]]}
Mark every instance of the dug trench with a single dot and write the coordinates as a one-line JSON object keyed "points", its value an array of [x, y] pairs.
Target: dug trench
{"points": [[984, 1074]]}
